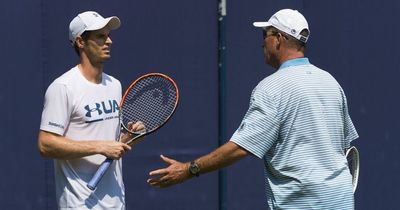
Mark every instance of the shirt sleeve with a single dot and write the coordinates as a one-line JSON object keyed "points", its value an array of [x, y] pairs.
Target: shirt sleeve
{"points": [[259, 128], [57, 109]]}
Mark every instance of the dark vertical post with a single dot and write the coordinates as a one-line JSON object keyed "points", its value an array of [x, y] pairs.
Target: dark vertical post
{"points": [[222, 188]]}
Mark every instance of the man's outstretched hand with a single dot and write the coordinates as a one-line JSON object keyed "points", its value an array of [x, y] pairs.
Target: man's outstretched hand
{"points": [[175, 173]]}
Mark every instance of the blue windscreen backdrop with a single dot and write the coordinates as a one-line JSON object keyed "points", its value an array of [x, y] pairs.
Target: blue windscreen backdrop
{"points": [[356, 41]]}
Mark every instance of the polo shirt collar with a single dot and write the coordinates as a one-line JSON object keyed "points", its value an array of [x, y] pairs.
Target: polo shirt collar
{"points": [[295, 62]]}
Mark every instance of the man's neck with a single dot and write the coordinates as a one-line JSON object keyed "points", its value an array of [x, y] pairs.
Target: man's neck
{"points": [[290, 56], [93, 73]]}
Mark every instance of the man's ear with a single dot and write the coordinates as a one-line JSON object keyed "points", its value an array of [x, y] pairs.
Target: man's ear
{"points": [[281, 39], [79, 42]]}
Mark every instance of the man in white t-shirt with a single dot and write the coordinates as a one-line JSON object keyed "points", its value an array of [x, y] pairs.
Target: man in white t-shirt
{"points": [[80, 120]]}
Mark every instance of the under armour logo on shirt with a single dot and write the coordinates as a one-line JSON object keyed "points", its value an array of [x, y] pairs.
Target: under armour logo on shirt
{"points": [[102, 107]]}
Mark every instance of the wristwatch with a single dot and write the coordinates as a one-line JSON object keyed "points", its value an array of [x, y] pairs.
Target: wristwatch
{"points": [[194, 169]]}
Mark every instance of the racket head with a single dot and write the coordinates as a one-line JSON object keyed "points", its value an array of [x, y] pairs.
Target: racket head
{"points": [[151, 99], [353, 160]]}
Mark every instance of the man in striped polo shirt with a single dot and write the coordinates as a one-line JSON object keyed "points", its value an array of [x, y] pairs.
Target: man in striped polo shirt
{"points": [[297, 122]]}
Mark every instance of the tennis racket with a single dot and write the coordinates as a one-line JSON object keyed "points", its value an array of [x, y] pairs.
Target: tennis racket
{"points": [[353, 160], [151, 99]]}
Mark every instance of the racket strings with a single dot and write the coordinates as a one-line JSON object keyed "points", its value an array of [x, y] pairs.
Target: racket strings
{"points": [[151, 100]]}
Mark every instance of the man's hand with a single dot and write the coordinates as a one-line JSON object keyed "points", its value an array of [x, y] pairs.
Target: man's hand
{"points": [[175, 173], [137, 127], [113, 149]]}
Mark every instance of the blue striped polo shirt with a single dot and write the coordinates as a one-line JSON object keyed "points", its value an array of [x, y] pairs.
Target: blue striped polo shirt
{"points": [[298, 123]]}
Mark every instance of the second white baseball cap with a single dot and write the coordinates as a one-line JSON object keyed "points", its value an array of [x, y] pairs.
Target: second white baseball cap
{"points": [[289, 21]]}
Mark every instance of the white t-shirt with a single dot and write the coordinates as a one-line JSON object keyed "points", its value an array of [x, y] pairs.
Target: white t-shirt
{"points": [[81, 110]]}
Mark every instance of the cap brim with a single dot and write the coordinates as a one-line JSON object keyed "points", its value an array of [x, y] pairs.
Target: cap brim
{"points": [[261, 24], [112, 22]]}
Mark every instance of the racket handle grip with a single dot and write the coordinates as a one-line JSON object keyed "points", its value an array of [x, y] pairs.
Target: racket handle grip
{"points": [[99, 174]]}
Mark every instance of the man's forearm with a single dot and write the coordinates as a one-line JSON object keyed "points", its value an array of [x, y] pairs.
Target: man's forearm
{"points": [[59, 147], [222, 157]]}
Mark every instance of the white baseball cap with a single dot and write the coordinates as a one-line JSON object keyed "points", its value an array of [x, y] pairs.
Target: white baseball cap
{"points": [[90, 21], [289, 21]]}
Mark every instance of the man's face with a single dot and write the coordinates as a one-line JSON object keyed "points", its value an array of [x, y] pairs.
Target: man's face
{"points": [[98, 45], [269, 46]]}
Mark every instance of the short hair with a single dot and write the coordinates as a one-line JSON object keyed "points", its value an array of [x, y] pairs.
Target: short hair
{"points": [[85, 37], [297, 43]]}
